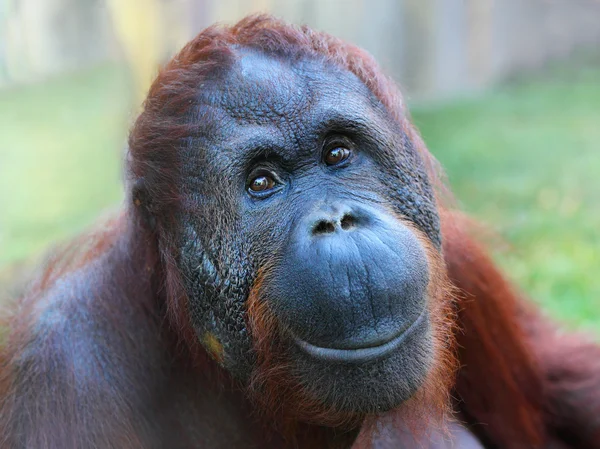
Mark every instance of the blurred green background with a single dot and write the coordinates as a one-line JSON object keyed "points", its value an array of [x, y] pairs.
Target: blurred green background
{"points": [[522, 156]]}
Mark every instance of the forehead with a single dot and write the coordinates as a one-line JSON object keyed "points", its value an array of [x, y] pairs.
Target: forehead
{"points": [[265, 89]]}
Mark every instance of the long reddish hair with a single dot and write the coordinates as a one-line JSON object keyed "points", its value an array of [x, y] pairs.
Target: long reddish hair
{"points": [[499, 382], [500, 368]]}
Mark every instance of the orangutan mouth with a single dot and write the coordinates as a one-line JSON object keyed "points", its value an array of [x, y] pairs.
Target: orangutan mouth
{"points": [[365, 353]]}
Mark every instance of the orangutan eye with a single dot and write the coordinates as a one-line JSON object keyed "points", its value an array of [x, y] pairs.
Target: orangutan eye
{"points": [[337, 155], [261, 183]]}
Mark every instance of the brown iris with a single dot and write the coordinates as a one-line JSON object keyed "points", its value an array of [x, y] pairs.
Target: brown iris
{"points": [[337, 155], [261, 183]]}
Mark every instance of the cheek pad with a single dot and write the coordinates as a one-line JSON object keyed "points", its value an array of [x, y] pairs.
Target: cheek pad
{"points": [[216, 303]]}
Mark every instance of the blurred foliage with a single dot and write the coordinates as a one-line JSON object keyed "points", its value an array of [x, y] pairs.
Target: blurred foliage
{"points": [[137, 25], [60, 157], [524, 159]]}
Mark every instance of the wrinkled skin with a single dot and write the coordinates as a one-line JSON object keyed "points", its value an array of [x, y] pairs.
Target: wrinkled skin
{"points": [[341, 293], [337, 248], [280, 218]]}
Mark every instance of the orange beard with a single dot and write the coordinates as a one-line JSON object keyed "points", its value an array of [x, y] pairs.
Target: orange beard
{"points": [[282, 400]]}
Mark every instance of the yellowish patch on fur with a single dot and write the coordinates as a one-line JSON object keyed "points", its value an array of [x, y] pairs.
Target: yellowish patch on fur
{"points": [[213, 346]]}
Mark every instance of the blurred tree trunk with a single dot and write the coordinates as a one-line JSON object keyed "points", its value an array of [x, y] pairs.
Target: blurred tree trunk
{"points": [[137, 24]]}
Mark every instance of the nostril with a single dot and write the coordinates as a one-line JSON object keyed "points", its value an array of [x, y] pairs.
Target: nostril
{"points": [[323, 227], [347, 222]]}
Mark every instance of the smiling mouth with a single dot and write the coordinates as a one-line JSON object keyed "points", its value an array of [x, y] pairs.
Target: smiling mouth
{"points": [[365, 354]]}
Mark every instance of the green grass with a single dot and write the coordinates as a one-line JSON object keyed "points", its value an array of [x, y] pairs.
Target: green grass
{"points": [[60, 157], [524, 159]]}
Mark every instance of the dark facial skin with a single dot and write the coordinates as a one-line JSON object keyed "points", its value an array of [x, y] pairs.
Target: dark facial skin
{"points": [[298, 173]]}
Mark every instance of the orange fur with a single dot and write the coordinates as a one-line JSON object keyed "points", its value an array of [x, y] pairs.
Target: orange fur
{"points": [[501, 369], [282, 398]]}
